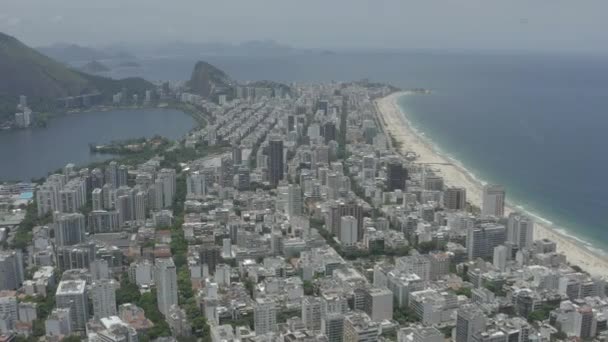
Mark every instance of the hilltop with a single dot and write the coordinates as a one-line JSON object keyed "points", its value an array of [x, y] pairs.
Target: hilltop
{"points": [[43, 80], [208, 81]]}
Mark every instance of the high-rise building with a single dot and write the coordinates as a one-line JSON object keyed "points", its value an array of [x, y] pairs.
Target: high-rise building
{"points": [[122, 176], [275, 160], [332, 325], [141, 206], [470, 320], [244, 178], [294, 204], [9, 312], [311, 313], [500, 257], [226, 172], [396, 175], [69, 229], [482, 240], [167, 179], [11, 270], [102, 221], [166, 284], [112, 174], [103, 293], [379, 304], [455, 198], [264, 316], [348, 231], [196, 186], [210, 255], [76, 256], [72, 294], [493, 200], [97, 199], [329, 132], [353, 208], [520, 230], [237, 155]]}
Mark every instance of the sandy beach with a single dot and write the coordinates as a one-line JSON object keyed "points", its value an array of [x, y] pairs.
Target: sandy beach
{"points": [[397, 126]]}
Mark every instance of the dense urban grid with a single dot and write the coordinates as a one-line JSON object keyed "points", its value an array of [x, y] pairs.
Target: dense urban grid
{"points": [[288, 216]]}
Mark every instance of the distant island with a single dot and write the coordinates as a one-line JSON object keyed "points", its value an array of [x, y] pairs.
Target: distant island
{"points": [[129, 64], [94, 67]]}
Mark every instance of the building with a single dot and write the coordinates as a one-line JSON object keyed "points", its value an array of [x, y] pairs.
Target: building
{"points": [[482, 240], [311, 313], [431, 334], [167, 178], [358, 327], [501, 254], [419, 265], [379, 304], [493, 200], [294, 201], [178, 321], [396, 175], [520, 230], [69, 229], [103, 293], [348, 231], [59, 323], [455, 198], [433, 307], [11, 270], [72, 294], [226, 172], [166, 284], [332, 325], [264, 316], [9, 312], [196, 185], [275, 160], [470, 320]]}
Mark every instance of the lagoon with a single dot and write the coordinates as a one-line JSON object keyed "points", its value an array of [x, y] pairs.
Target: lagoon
{"points": [[34, 152]]}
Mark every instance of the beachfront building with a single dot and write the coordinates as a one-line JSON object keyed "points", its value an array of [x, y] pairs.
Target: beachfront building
{"points": [[493, 200]]}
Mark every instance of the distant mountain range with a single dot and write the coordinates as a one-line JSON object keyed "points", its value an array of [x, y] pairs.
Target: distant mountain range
{"points": [[70, 53], [26, 71], [178, 48]]}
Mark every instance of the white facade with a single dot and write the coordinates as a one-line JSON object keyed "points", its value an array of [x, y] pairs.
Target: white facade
{"points": [[493, 200], [348, 230], [166, 284]]}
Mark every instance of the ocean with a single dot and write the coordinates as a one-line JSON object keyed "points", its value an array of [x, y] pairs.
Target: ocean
{"points": [[533, 122]]}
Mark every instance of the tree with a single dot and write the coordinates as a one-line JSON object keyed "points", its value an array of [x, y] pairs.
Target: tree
{"points": [[308, 288]]}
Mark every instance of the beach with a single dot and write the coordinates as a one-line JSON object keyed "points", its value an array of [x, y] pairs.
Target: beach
{"points": [[396, 125]]}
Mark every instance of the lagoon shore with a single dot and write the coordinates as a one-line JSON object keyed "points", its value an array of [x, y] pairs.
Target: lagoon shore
{"points": [[397, 126]]}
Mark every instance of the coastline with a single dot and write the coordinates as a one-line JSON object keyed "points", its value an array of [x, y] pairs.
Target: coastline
{"points": [[396, 125]]}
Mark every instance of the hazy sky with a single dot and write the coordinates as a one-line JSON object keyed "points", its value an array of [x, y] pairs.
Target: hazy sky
{"points": [[455, 24]]}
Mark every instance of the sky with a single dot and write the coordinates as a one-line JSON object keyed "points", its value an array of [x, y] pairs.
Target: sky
{"points": [[545, 25]]}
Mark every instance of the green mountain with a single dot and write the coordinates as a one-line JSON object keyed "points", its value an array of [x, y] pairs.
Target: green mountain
{"points": [[25, 71], [209, 81]]}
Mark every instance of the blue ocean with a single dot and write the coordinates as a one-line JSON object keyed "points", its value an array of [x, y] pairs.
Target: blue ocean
{"points": [[534, 122]]}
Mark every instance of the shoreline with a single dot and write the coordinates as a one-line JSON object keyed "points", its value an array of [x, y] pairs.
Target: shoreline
{"points": [[396, 125]]}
